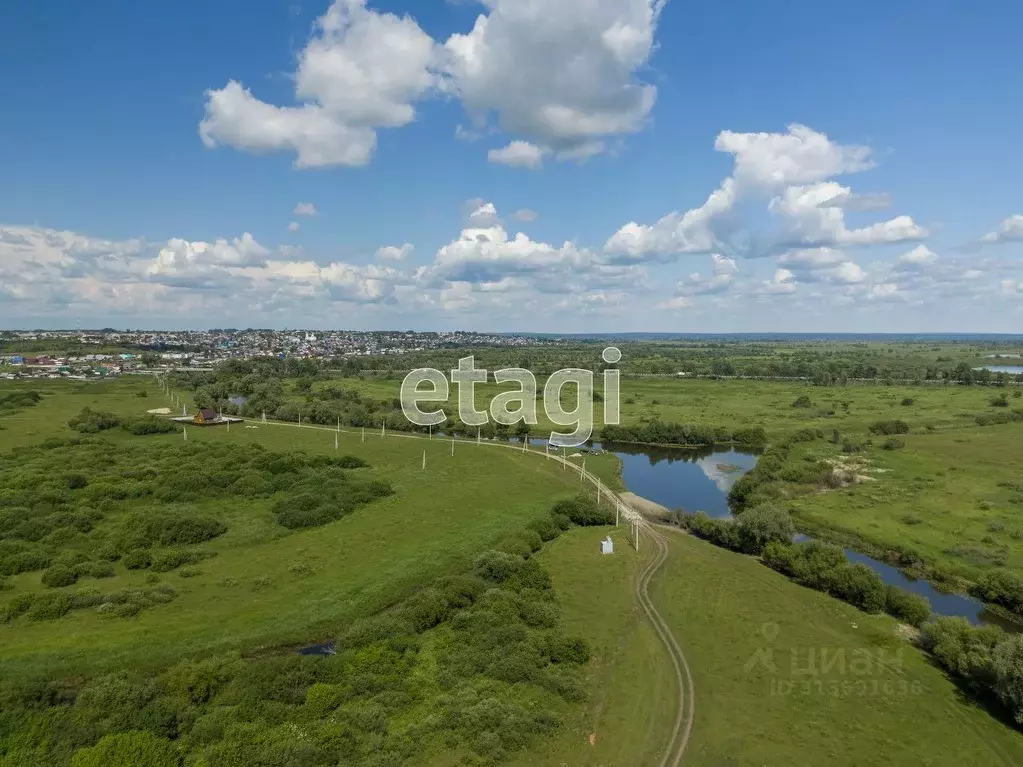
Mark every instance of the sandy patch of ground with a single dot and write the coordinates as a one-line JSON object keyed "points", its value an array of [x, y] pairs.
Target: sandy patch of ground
{"points": [[160, 411], [645, 507]]}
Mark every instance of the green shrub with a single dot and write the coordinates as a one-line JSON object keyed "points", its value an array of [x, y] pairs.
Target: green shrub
{"points": [[761, 525], [889, 427], [137, 559], [150, 424], [129, 749], [858, 585], [24, 562], [584, 511], [76, 481], [893, 443], [546, 528], [91, 421], [497, 566], [1007, 664], [166, 528], [59, 575], [909, 608], [1001, 587], [166, 561], [49, 606], [107, 552]]}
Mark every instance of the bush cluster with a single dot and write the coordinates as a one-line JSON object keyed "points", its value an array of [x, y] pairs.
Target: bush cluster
{"points": [[824, 567], [17, 400], [90, 421], [894, 426], [496, 676], [583, 510], [986, 659], [51, 605], [132, 501], [750, 532], [993, 419], [662, 433], [1001, 587]]}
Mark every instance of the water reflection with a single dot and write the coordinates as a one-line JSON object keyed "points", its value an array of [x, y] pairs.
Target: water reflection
{"points": [[691, 479]]}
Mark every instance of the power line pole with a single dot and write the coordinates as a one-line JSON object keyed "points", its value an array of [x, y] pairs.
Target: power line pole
{"points": [[424, 460]]}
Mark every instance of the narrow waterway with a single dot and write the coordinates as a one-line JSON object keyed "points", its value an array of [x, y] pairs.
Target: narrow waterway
{"points": [[699, 480]]}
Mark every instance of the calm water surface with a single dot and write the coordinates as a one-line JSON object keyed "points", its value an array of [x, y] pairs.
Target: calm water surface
{"points": [[699, 480]]}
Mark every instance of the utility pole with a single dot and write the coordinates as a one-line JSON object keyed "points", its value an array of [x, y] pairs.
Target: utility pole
{"points": [[363, 433], [478, 438], [452, 446], [424, 460], [184, 434], [335, 440]]}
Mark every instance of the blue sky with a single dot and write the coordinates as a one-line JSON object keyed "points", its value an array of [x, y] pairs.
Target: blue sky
{"points": [[891, 209]]}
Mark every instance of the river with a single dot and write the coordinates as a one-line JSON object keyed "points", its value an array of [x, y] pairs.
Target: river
{"points": [[699, 480]]}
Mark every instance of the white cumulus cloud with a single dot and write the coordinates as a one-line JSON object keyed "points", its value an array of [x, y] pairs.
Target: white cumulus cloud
{"points": [[519, 154], [361, 71], [1011, 229]]}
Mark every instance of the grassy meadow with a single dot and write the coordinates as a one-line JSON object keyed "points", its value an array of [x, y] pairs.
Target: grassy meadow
{"points": [[874, 699], [894, 709], [878, 701], [954, 497], [768, 404]]}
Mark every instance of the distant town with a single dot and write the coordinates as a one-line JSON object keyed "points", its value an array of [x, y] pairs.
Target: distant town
{"points": [[84, 354]]}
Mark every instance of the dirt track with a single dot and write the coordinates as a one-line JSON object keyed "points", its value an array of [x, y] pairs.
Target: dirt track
{"points": [[674, 753]]}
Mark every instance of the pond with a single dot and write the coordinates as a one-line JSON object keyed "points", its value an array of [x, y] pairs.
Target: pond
{"points": [[1011, 369], [696, 479]]}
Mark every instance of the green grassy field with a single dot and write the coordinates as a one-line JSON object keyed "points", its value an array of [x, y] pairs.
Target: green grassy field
{"points": [[849, 408], [954, 497], [630, 710], [436, 522], [725, 607], [896, 709]]}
